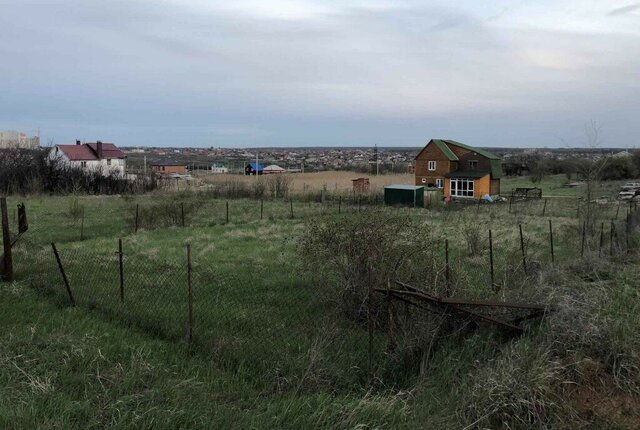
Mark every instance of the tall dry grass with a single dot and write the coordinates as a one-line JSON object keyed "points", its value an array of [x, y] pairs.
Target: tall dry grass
{"points": [[329, 181]]}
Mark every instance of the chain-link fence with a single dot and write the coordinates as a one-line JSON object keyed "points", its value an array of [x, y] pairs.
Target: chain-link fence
{"points": [[256, 312]]}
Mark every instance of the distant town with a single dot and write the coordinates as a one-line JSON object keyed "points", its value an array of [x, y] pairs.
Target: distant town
{"points": [[371, 160]]}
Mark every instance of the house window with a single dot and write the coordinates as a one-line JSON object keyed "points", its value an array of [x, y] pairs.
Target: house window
{"points": [[108, 161], [473, 164], [462, 187], [431, 165], [163, 168], [439, 183], [83, 164]]}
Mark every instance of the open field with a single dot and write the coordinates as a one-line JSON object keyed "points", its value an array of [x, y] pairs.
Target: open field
{"points": [[335, 181], [339, 182], [271, 347]]}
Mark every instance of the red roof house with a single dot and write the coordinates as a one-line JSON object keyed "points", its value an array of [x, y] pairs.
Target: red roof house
{"points": [[98, 156]]}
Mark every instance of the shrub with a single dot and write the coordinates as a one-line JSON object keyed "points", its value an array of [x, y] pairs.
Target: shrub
{"points": [[279, 185], [365, 251]]}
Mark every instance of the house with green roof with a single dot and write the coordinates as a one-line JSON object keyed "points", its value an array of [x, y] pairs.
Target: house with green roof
{"points": [[460, 170]]}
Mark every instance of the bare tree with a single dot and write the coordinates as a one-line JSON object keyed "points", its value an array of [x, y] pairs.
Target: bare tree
{"points": [[591, 171]]}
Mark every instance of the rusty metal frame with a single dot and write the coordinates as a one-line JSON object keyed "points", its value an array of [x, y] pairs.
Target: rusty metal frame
{"points": [[458, 306]]}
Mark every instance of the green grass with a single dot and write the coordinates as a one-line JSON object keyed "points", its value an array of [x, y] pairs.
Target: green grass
{"points": [[269, 351]]}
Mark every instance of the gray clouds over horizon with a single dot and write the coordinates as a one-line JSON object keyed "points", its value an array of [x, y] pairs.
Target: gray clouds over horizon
{"points": [[295, 73]]}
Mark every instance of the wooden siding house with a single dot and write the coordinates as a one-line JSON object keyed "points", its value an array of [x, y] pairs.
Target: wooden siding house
{"points": [[169, 167], [461, 171]]}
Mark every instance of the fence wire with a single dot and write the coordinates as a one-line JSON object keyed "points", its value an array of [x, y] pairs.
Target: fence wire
{"points": [[288, 333]]}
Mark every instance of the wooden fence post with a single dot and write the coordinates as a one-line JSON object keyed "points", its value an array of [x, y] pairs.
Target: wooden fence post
{"points": [[291, 206], [182, 213], [551, 242], [64, 275], [544, 208], [339, 204], [121, 264], [510, 200], [261, 207], [189, 297], [7, 272], [227, 216], [524, 259]]}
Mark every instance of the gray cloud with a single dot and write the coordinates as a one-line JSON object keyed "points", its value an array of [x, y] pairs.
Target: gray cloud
{"points": [[625, 9], [388, 73]]}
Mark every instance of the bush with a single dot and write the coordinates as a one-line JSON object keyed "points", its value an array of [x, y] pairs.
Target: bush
{"points": [[366, 250], [279, 185]]}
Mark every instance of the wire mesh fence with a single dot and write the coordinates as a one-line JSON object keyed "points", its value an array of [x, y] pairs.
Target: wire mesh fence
{"points": [[287, 329]]}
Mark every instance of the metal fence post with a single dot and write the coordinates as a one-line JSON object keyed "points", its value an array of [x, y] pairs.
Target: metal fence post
{"points": [[551, 241], [601, 239], [493, 284], [82, 225], [446, 268], [611, 233], [524, 258], [584, 231], [64, 275], [121, 264], [189, 297], [370, 324], [392, 335], [137, 213]]}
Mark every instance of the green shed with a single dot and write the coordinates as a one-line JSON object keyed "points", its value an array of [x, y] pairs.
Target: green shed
{"points": [[405, 195]]}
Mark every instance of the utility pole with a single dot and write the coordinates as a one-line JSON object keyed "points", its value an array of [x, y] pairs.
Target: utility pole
{"points": [[375, 150]]}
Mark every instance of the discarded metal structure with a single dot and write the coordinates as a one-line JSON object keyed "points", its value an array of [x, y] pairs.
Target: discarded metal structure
{"points": [[464, 308]]}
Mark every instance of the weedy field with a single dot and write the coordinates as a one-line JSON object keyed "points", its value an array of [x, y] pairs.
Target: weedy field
{"points": [[244, 313]]}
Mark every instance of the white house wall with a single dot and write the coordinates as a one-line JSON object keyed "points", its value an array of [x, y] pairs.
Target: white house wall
{"points": [[117, 167]]}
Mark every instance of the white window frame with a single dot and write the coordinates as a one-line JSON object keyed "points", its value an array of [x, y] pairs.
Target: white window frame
{"points": [[461, 187], [431, 165], [439, 183]]}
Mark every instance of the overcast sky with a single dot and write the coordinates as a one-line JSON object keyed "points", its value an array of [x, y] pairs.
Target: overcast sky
{"points": [[321, 72]]}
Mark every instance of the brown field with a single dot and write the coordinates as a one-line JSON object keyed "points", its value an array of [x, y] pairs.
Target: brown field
{"points": [[331, 181]]}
